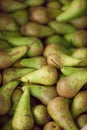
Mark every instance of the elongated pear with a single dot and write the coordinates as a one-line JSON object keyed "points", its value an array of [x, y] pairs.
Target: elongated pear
{"points": [[77, 8], [62, 28], [15, 100], [43, 93], [37, 30], [8, 125], [78, 39], [10, 56], [7, 23], [81, 120], [22, 119], [39, 61], [4, 44], [58, 109], [52, 125], [5, 96], [34, 3], [40, 114], [70, 85], [11, 5], [46, 75], [79, 104], [14, 73]]}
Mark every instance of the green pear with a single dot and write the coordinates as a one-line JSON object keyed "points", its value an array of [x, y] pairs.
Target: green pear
{"points": [[79, 104], [53, 4], [22, 119], [80, 23], [37, 30], [81, 120], [42, 93], [76, 9], [52, 125], [11, 5], [20, 16], [78, 39], [14, 73], [34, 3], [40, 114], [5, 96], [39, 61], [8, 125], [4, 44], [46, 75], [10, 56], [7, 23], [62, 28], [58, 109], [70, 85], [64, 2], [66, 6], [15, 100]]}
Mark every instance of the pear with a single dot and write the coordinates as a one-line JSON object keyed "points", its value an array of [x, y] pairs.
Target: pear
{"points": [[81, 120], [79, 104], [70, 85], [20, 16], [10, 56], [22, 119], [5, 96], [53, 5], [8, 125], [52, 125], [14, 73], [66, 6], [34, 3], [7, 23], [15, 100], [58, 109], [39, 61], [78, 39], [42, 93], [11, 5], [76, 9], [37, 30], [80, 23], [46, 75], [4, 44], [64, 2], [62, 28], [40, 114]]}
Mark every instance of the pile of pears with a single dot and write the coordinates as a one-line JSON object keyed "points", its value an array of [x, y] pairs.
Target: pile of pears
{"points": [[43, 64]]}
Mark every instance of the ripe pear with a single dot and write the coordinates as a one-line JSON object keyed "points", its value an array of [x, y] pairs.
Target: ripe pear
{"points": [[76, 9], [40, 114], [8, 125], [22, 119], [81, 120], [70, 85], [42, 93], [52, 125], [79, 104], [46, 75], [34, 2], [5, 96], [58, 109]]}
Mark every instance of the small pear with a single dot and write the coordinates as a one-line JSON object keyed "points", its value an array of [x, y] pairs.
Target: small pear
{"points": [[58, 109], [81, 120], [73, 11], [8, 125], [46, 75], [10, 56], [4, 44], [34, 3], [22, 119], [37, 30], [5, 96], [79, 104], [15, 100], [52, 125], [42, 93], [39, 61], [14, 73], [70, 85], [40, 114]]}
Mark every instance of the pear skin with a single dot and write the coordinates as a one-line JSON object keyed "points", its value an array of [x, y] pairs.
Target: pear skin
{"points": [[5, 96], [8, 125], [53, 5], [58, 109], [79, 104], [4, 44], [34, 3], [46, 75], [70, 85], [81, 120], [22, 119]]}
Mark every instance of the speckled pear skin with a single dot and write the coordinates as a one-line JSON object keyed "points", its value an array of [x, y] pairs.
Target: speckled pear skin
{"points": [[58, 109], [79, 104], [23, 119]]}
